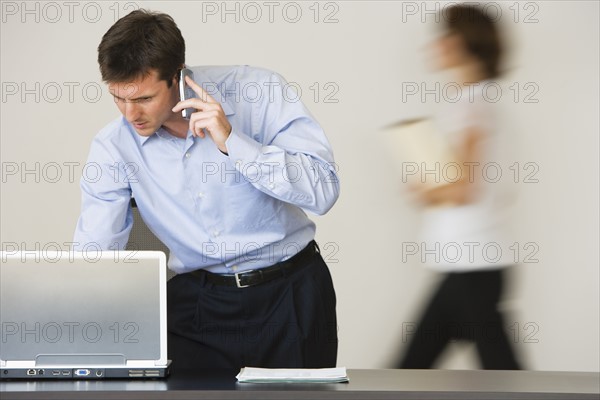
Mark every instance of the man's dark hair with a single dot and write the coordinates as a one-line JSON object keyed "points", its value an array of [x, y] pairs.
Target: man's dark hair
{"points": [[479, 33], [140, 41]]}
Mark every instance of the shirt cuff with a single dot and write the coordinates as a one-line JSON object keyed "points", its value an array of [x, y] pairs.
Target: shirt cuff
{"points": [[242, 149]]}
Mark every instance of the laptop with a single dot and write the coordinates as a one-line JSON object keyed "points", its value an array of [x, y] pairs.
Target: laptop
{"points": [[83, 315]]}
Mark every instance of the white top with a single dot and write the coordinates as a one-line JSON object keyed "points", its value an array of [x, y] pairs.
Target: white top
{"points": [[471, 236]]}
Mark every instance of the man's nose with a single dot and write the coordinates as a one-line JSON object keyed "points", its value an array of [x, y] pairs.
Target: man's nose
{"points": [[132, 111]]}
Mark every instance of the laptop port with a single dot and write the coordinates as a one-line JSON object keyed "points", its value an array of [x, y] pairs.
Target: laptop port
{"points": [[66, 372], [82, 372], [99, 373], [40, 372], [31, 372], [55, 372]]}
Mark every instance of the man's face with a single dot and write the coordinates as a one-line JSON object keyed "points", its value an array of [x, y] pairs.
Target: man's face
{"points": [[145, 102]]}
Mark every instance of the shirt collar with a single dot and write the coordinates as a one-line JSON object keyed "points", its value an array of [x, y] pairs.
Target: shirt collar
{"points": [[143, 139]]}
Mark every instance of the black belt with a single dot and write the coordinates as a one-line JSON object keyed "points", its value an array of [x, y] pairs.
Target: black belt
{"points": [[256, 277]]}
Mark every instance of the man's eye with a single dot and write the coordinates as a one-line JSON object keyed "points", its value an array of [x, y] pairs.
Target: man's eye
{"points": [[140, 100], [136, 101]]}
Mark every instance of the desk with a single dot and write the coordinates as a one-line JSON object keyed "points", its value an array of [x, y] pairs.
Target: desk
{"points": [[364, 385]]}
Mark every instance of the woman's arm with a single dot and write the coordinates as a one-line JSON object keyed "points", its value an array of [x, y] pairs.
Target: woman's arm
{"points": [[463, 190]]}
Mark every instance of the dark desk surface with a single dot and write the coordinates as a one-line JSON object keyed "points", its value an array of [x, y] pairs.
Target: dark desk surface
{"points": [[364, 385]]}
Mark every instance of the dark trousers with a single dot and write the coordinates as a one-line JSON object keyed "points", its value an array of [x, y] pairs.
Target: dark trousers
{"points": [[464, 307], [288, 322]]}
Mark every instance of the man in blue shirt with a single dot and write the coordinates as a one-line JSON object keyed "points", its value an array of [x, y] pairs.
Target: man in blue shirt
{"points": [[225, 191]]}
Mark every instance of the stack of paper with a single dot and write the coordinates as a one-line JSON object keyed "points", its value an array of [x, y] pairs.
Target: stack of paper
{"points": [[265, 375], [418, 151]]}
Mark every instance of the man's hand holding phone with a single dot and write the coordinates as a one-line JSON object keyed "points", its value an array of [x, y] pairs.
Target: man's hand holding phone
{"points": [[209, 116]]}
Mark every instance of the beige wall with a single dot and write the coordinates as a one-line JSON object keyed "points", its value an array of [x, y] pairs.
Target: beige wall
{"points": [[360, 59]]}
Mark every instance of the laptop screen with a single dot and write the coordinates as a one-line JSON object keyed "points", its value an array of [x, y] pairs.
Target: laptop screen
{"points": [[74, 308]]}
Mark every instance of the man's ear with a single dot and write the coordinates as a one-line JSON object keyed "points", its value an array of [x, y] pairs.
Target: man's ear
{"points": [[178, 74], [175, 81]]}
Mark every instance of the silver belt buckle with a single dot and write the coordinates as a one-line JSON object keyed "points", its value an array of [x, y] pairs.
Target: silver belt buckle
{"points": [[237, 279]]}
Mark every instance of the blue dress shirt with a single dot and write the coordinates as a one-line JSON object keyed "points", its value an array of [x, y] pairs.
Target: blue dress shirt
{"points": [[224, 213]]}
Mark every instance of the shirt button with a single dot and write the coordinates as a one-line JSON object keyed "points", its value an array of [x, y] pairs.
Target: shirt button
{"points": [[187, 155], [271, 186], [238, 163], [200, 195], [234, 268], [216, 233]]}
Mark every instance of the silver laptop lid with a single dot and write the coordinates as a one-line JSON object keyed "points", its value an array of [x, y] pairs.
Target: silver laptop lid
{"points": [[83, 309]]}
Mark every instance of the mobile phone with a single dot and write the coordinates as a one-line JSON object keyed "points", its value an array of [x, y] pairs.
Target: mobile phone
{"points": [[186, 92]]}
